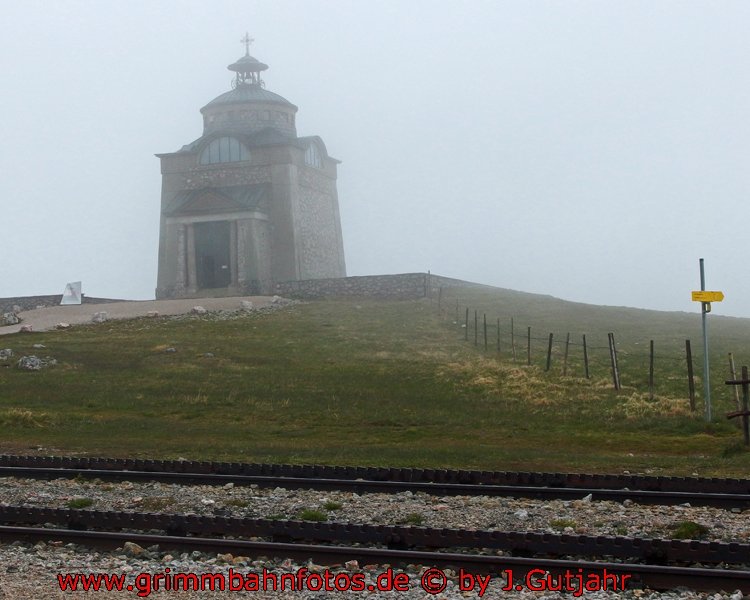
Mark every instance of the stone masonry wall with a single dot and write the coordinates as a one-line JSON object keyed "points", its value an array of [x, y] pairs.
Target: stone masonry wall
{"points": [[404, 286], [319, 252]]}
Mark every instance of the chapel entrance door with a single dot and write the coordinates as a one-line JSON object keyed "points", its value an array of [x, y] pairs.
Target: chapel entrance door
{"points": [[212, 254]]}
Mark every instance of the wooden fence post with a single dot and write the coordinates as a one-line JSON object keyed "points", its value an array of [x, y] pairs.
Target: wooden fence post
{"points": [[476, 329], [549, 353], [585, 357], [691, 381], [498, 335], [745, 400], [613, 359], [466, 328], [528, 346], [485, 332], [733, 373], [565, 359], [651, 371], [512, 340], [743, 413]]}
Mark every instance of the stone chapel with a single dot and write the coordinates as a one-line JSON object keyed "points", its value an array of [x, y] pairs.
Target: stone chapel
{"points": [[249, 203]]}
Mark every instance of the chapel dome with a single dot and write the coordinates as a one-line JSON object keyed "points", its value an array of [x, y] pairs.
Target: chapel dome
{"points": [[249, 107], [247, 92]]}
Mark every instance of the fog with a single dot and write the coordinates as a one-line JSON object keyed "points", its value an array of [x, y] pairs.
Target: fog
{"points": [[590, 151]]}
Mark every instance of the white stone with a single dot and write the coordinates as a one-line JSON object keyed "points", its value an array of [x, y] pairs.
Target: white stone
{"points": [[152, 314], [30, 363], [247, 305], [198, 310], [9, 318], [62, 326], [521, 514], [100, 317]]}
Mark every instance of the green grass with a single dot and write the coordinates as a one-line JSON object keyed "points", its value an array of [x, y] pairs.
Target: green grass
{"points": [[412, 519], [561, 524], [366, 382], [689, 530], [237, 502], [156, 503], [310, 514], [331, 505], [80, 503]]}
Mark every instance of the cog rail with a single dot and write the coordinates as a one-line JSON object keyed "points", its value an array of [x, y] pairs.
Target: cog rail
{"points": [[324, 544], [448, 476], [566, 492]]}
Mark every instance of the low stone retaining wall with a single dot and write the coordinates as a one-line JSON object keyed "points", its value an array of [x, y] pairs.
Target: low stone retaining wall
{"points": [[32, 302], [403, 286]]}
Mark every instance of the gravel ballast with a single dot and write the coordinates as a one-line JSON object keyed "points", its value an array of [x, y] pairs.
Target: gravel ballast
{"points": [[28, 571]]}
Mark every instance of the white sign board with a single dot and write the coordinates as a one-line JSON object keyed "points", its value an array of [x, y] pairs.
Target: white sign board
{"points": [[72, 293]]}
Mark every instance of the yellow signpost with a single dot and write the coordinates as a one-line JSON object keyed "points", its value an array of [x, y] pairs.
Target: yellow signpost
{"points": [[706, 296]]}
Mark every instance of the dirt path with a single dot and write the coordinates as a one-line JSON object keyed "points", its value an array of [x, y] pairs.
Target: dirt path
{"points": [[44, 319]]}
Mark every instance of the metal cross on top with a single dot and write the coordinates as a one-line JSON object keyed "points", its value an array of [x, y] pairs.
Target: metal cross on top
{"points": [[247, 40]]}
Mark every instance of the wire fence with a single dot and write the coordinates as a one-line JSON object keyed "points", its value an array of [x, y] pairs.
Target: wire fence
{"points": [[644, 366]]}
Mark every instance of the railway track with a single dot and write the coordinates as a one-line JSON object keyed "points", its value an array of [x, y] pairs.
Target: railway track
{"points": [[653, 563], [724, 493], [334, 544]]}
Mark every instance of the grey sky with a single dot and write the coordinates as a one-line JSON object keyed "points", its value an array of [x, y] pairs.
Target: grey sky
{"points": [[588, 150]]}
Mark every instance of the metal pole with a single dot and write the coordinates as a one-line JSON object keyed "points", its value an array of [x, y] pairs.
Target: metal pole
{"points": [[691, 380], [705, 307]]}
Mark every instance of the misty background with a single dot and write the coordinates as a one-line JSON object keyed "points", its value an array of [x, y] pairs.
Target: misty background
{"points": [[591, 151]]}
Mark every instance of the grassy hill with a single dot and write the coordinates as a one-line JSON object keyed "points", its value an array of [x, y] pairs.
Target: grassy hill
{"points": [[381, 382]]}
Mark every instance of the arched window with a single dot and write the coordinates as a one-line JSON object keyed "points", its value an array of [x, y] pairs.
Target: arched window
{"points": [[312, 156], [224, 150]]}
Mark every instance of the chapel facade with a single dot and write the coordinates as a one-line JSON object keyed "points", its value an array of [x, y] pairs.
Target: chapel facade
{"points": [[249, 203]]}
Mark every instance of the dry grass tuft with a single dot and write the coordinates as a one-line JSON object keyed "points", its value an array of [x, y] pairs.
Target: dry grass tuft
{"points": [[24, 418], [638, 405]]}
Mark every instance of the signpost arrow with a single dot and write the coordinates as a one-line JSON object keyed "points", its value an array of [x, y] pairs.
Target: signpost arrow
{"points": [[705, 296]]}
